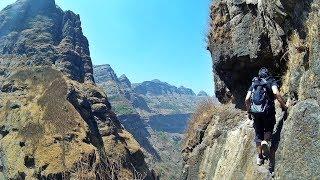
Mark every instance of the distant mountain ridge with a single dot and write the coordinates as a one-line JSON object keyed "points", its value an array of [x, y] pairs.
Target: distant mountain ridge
{"points": [[157, 87], [105, 73]]}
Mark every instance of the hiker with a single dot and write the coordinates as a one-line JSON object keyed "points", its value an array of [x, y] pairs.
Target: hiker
{"points": [[261, 108]]}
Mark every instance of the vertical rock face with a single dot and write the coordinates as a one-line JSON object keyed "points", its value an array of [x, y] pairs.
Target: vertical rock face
{"points": [[54, 122], [246, 35], [45, 34]]}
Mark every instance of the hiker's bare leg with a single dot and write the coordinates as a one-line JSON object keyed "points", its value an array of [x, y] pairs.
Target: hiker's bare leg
{"points": [[265, 144], [272, 159], [259, 149]]}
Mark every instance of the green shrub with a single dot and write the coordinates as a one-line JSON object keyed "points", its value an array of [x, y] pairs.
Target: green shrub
{"points": [[123, 109]]}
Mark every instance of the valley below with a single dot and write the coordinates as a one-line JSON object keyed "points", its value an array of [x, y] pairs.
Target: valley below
{"points": [[155, 113]]}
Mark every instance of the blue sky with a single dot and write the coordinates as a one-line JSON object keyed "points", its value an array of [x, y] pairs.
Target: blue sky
{"points": [[148, 39]]}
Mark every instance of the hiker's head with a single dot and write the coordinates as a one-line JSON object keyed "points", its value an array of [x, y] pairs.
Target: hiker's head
{"points": [[264, 73]]}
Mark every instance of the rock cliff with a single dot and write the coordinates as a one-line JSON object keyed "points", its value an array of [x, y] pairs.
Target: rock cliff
{"points": [[155, 112], [55, 123], [244, 36]]}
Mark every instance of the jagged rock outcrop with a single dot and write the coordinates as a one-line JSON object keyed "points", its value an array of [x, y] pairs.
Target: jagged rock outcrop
{"points": [[246, 35], [54, 121]]}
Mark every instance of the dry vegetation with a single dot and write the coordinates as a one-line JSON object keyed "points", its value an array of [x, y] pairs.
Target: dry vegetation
{"points": [[296, 64], [51, 133], [313, 32], [86, 170], [43, 121], [207, 113], [202, 116], [198, 124], [217, 25]]}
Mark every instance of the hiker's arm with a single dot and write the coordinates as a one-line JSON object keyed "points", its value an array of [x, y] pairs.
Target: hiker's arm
{"points": [[276, 92], [247, 101]]}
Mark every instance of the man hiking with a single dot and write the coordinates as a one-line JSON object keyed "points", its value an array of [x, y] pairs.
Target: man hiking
{"points": [[260, 104]]}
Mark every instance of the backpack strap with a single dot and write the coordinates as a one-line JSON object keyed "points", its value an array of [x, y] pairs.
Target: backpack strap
{"points": [[259, 82]]}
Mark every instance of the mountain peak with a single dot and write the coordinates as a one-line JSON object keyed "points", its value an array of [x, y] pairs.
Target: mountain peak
{"points": [[104, 73], [202, 94], [36, 5], [186, 91], [156, 81], [125, 81], [123, 76]]}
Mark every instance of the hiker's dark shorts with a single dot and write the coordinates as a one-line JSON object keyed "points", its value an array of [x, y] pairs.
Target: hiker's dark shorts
{"points": [[262, 125]]}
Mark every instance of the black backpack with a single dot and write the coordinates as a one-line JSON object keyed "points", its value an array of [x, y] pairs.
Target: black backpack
{"points": [[260, 97]]}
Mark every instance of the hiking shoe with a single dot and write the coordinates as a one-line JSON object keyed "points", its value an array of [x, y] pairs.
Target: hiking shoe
{"points": [[265, 149], [260, 161], [271, 174]]}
